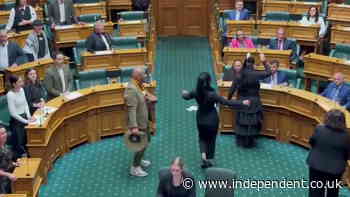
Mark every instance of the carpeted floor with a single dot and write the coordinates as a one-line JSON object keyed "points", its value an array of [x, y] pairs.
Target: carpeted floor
{"points": [[101, 169]]}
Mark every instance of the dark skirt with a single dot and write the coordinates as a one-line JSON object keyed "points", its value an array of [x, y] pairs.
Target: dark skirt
{"points": [[19, 136]]}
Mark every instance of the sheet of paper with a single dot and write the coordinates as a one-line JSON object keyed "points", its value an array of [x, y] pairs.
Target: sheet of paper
{"points": [[106, 52], [73, 95], [192, 108], [58, 27]]}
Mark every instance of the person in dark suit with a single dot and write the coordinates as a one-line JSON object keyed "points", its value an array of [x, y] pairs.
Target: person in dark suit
{"points": [[10, 52], [99, 40], [282, 43], [34, 90], [207, 116], [277, 77], [338, 91], [61, 12], [21, 17], [58, 78], [230, 73], [240, 13], [171, 181], [330, 151], [247, 85]]}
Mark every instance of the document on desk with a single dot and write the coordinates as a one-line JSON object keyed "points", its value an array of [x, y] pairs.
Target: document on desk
{"points": [[266, 86], [106, 52], [73, 95], [60, 27]]}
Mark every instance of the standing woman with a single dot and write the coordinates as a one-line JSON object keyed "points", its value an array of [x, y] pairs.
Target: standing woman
{"points": [[20, 115], [246, 83], [330, 150], [21, 17], [207, 116], [34, 90]]}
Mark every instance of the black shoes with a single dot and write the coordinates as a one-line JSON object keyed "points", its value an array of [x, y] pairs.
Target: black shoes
{"points": [[206, 164]]}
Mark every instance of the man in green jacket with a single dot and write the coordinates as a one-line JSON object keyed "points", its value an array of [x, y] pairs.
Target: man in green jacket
{"points": [[136, 98]]}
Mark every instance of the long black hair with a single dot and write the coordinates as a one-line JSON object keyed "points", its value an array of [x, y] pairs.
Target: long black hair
{"points": [[316, 15], [203, 86]]}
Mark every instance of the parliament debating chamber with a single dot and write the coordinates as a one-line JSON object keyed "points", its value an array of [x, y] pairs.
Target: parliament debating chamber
{"points": [[68, 69]]}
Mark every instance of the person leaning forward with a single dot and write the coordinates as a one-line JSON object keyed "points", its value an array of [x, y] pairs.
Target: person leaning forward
{"points": [[136, 98]]}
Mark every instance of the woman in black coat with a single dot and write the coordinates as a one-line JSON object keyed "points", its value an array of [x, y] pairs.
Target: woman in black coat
{"points": [[207, 116], [330, 150], [34, 91], [246, 83]]}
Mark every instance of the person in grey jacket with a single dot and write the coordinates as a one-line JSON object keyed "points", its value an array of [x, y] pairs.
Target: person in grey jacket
{"points": [[37, 43], [61, 12]]}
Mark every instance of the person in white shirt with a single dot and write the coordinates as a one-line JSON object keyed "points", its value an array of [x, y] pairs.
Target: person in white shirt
{"points": [[313, 18], [20, 115], [99, 40], [21, 17], [58, 78]]}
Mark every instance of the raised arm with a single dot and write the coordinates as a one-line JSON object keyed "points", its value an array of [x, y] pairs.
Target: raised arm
{"points": [[260, 75], [233, 103], [188, 95], [232, 90]]}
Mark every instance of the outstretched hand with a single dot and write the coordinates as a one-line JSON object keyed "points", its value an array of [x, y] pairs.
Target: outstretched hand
{"points": [[246, 102]]}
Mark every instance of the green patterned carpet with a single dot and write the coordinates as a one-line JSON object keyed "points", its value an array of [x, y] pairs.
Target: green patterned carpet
{"points": [[101, 169]]}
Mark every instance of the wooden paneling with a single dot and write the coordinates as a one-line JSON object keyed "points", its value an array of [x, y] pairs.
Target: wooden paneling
{"points": [[177, 17]]}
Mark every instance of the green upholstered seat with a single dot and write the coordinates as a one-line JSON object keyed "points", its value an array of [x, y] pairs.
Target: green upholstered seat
{"points": [[91, 78], [277, 16], [126, 42], [132, 15], [341, 51], [114, 75], [127, 71], [292, 76], [7, 6], [347, 2], [4, 111], [77, 50], [259, 42], [90, 18], [2, 26], [220, 174]]}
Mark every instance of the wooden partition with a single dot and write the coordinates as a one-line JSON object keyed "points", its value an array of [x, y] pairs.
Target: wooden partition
{"points": [[248, 27], [91, 8], [290, 115], [339, 13], [293, 7], [68, 35], [114, 59], [340, 34], [118, 5], [136, 28], [99, 111], [4, 15], [322, 68], [231, 54], [19, 38]]}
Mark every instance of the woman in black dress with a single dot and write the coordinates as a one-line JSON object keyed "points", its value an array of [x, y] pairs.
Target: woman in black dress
{"points": [[330, 151], [34, 91], [176, 182], [207, 116], [246, 83]]}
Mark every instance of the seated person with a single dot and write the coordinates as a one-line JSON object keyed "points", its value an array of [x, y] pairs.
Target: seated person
{"points": [[171, 181], [21, 17], [58, 78], [282, 43], [7, 164], [34, 90], [61, 12], [242, 41], [239, 13], [229, 74], [37, 43], [10, 52], [338, 91], [277, 77], [314, 18], [99, 40]]}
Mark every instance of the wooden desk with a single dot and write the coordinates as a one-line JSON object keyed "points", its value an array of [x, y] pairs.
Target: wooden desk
{"points": [[100, 111], [268, 29], [4, 15], [248, 27], [339, 13], [136, 28], [66, 36], [290, 115], [2, 83], [28, 177], [114, 59], [322, 68], [40, 66], [340, 34], [293, 7], [231, 54], [118, 5], [15, 195], [20, 38], [91, 8]]}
